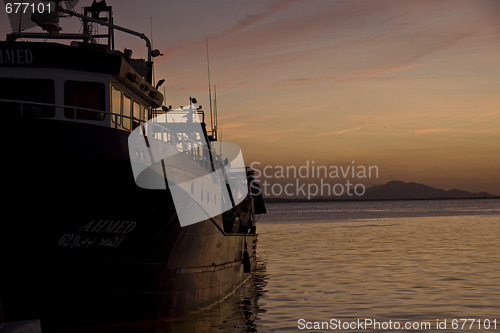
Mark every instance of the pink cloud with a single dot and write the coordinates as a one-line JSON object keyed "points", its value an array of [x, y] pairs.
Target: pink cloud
{"points": [[252, 19], [433, 130], [233, 125], [357, 128]]}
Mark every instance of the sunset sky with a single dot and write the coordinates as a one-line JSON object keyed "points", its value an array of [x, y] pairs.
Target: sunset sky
{"points": [[411, 86]]}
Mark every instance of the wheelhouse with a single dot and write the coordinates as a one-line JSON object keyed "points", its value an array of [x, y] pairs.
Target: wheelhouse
{"points": [[117, 97]]}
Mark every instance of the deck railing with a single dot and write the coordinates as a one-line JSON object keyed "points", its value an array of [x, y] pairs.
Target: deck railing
{"points": [[152, 129]]}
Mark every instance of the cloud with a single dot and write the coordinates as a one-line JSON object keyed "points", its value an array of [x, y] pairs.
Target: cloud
{"points": [[284, 130], [350, 130], [370, 73], [251, 19], [233, 125], [487, 115], [454, 132], [433, 130], [247, 21]]}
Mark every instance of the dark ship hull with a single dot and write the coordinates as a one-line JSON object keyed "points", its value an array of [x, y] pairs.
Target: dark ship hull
{"points": [[81, 244], [86, 245]]}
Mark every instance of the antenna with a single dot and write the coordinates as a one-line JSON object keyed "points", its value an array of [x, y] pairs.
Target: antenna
{"points": [[151, 28], [20, 20], [164, 96], [216, 117], [209, 87]]}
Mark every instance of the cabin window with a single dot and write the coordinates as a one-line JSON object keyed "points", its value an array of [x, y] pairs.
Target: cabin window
{"points": [[127, 104], [145, 117], [137, 111], [137, 114], [87, 99], [28, 90], [116, 106]]}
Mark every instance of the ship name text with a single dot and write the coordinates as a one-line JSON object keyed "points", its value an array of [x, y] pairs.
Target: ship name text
{"points": [[16, 56], [110, 226]]}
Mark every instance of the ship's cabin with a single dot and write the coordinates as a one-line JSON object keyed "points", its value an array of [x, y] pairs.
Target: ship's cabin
{"points": [[78, 80], [66, 95]]}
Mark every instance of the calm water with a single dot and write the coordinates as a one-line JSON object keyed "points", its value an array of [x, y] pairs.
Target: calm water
{"points": [[403, 261]]}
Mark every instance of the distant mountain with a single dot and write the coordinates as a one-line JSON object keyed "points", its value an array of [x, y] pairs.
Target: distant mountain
{"points": [[396, 190]]}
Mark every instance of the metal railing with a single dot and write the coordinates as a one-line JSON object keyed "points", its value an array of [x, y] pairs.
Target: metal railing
{"points": [[23, 111], [149, 128]]}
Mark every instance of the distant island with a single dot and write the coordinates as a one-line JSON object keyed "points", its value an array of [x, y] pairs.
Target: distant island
{"points": [[398, 190]]}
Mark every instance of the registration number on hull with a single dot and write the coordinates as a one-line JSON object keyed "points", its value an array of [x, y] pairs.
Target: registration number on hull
{"points": [[107, 233]]}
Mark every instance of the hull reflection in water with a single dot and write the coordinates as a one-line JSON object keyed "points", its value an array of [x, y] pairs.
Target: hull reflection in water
{"points": [[238, 312]]}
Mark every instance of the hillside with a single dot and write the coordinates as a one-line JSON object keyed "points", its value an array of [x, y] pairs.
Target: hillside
{"points": [[396, 190]]}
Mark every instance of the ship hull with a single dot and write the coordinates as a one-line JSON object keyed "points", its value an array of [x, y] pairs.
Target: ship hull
{"points": [[90, 247]]}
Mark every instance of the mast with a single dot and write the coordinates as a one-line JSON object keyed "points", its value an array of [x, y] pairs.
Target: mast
{"points": [[151, 53], [94, 11], [216, 118], [209, 88]]}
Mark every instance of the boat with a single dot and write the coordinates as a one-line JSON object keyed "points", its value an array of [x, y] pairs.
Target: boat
{"points": [[92, 232]]}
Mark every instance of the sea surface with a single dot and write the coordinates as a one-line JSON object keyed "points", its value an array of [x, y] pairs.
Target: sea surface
{"points": [[386, 266]]}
